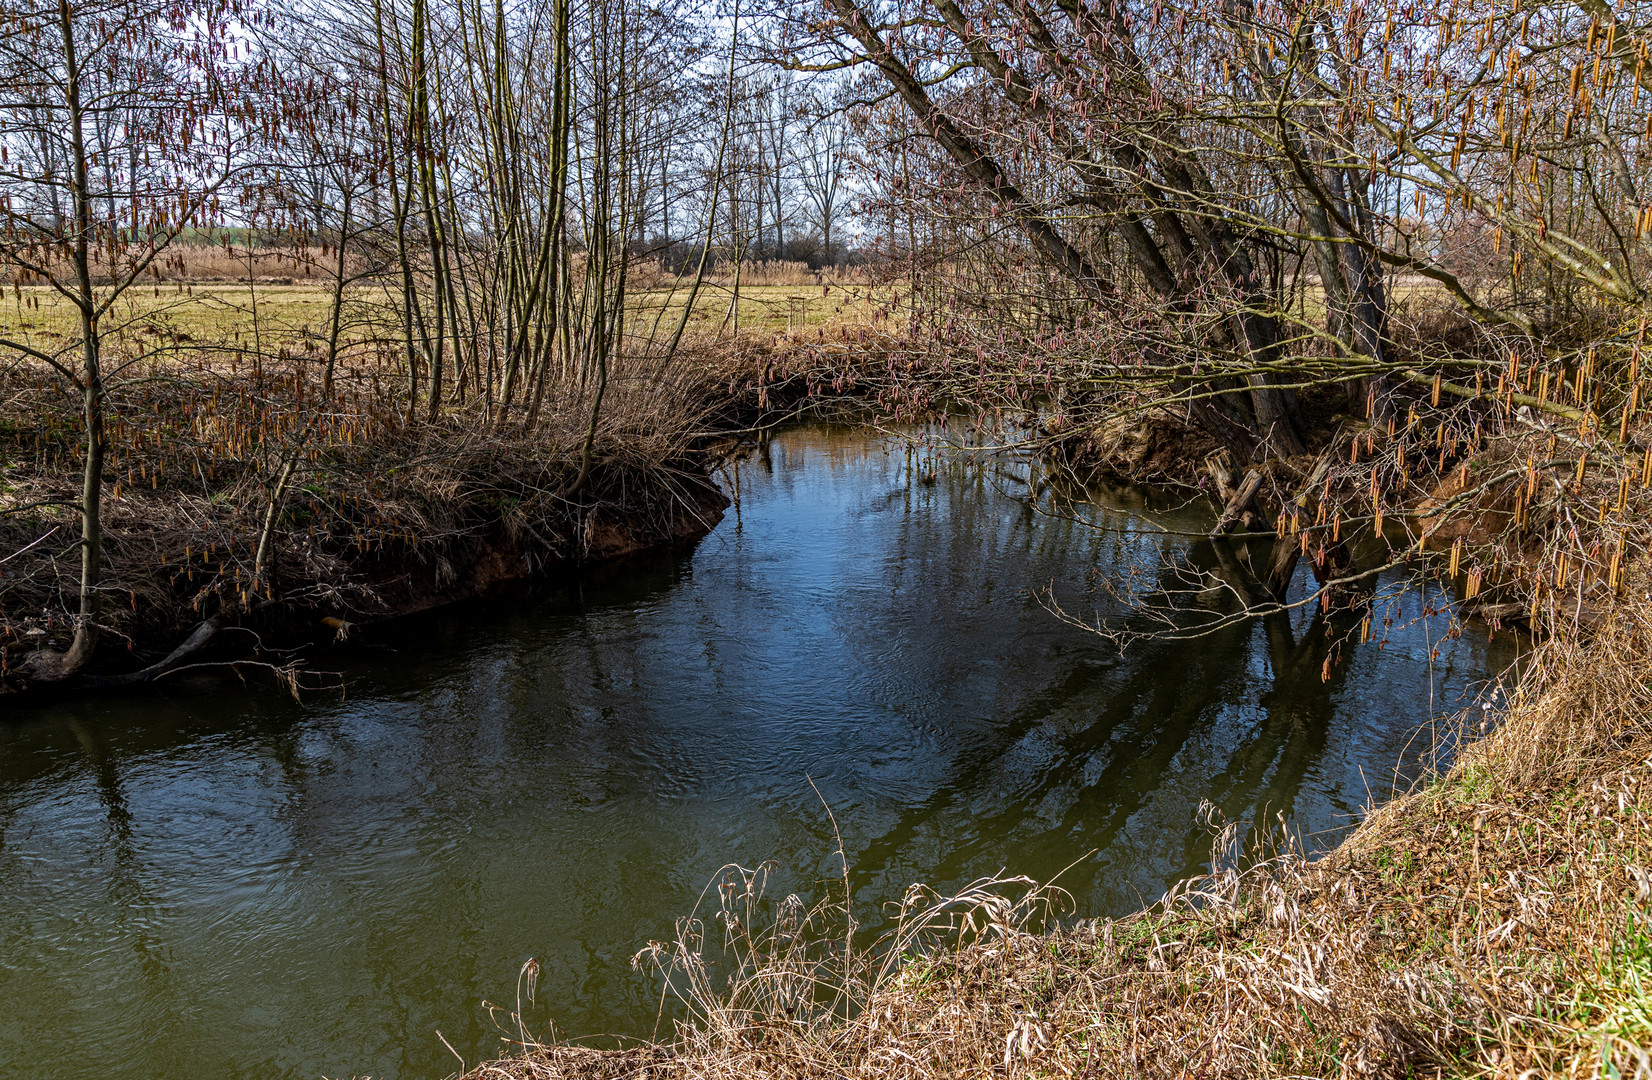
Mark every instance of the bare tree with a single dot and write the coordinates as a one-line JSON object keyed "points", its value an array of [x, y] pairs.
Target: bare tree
{"points": [[126, 121], [823, 169]]}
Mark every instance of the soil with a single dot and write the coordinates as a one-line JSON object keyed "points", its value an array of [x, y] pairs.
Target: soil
{"points": [[324, 595]]}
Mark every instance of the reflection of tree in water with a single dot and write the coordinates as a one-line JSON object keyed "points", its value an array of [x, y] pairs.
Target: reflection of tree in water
{"points": [[1149, 710], [131, 902], [102, 764], [1265, 776]]}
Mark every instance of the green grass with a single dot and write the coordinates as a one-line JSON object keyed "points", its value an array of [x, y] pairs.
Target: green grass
{"points": [[1613, 1012], [170, 314], [281, 315]]}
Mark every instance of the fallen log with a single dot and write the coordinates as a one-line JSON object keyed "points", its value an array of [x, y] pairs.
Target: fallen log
{"points": [[194, 643], [1241, 503]]}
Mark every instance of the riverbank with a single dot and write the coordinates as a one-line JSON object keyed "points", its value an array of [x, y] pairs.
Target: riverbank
{"points": [[1489, 924], [263, 490], [247, 509]]}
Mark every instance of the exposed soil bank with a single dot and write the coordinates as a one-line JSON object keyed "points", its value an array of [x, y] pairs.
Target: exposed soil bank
{"points": [[499, 554], [246, 510], [234, 526], [319, 595], [496, 559]]}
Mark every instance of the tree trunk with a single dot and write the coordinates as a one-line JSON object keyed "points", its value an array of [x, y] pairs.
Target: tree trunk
{"points": [[92, 404]]}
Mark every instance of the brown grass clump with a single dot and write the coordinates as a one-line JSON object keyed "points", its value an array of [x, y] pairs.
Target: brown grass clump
{"points": [[1491, 924], [203, 262]]}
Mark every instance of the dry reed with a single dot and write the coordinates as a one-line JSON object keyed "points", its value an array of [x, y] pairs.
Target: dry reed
{"points": [[757, 273]]}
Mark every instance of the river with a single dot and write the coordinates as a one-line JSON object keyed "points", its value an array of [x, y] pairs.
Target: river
{"points": [[220, 882]]}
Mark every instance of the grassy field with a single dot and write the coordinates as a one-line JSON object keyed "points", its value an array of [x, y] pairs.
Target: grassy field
{"points": [[172, 314], [765, 308], [273, 315]]}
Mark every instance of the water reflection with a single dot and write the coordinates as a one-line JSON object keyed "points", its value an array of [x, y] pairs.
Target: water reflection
{"points": [[219, 881]]}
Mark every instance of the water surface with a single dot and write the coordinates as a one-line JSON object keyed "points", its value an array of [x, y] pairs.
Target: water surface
{"points": [[221, 882]]}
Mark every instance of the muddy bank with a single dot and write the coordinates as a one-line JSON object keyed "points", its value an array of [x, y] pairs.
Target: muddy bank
{"points": [[500, 554], [323, 587]]}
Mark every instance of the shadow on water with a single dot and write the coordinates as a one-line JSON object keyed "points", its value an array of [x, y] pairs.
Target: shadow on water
{"points": [[219, 881]]}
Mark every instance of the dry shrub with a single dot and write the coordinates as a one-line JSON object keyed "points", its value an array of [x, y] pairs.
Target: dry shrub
{"points": [[1490, 924], [780, 987], [1584, 697], [1152, 446]]}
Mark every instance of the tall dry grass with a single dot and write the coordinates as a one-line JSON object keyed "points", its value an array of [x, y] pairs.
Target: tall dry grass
{"points": [[755, 273], [383, 514], [209, 263], [205, 264]]}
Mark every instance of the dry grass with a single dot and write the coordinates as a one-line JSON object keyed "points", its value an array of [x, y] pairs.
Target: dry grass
{"points": [[1491, 924], [763, 308], [184, 317], [197, 315], [383, 515], [759, 273], [207, 263], [236, 263], [799, 310]]}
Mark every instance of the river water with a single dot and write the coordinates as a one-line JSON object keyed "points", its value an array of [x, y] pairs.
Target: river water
{"points": [[220, 882]]}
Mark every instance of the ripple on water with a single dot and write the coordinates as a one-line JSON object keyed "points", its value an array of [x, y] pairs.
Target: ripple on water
{"points": [[221, 882]]}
